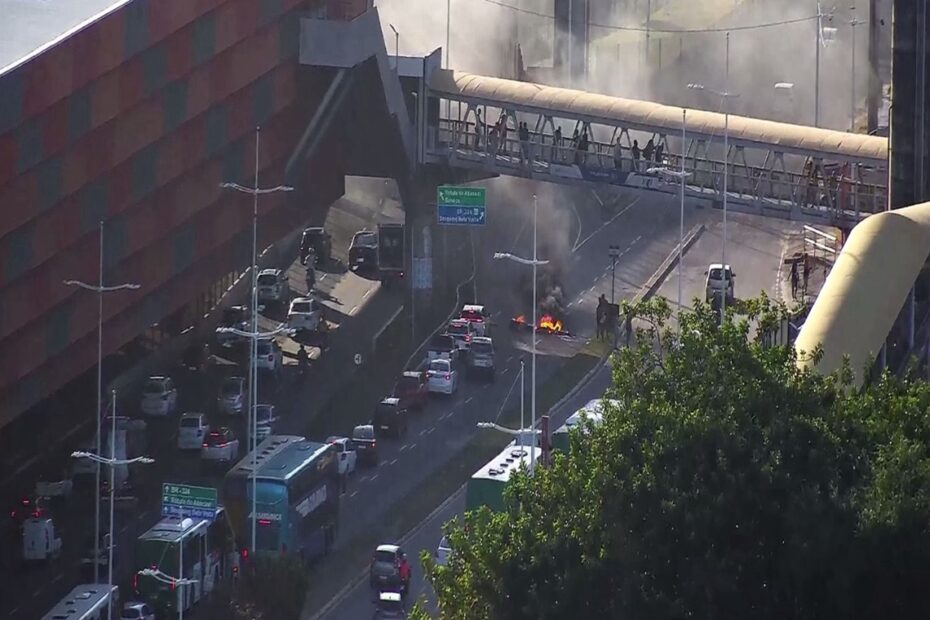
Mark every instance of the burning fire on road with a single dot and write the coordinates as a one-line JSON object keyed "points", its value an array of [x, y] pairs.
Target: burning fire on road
{"points": [[546, 324]]}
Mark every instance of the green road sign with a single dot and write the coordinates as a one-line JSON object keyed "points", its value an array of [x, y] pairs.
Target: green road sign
{"points": [[461, 205], [460, 196], [184, 500]]}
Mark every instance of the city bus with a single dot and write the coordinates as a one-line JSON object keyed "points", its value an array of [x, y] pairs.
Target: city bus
{"points": [[204, 551], [86, 602], [297, 497], [486, 486], [593, 411]]}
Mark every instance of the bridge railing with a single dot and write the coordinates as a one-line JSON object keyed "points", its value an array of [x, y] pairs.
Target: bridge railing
{"points": [[780, 181]]}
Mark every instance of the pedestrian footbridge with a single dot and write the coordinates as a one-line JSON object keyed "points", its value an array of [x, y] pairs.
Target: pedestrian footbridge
{"points": [[776, 169]]}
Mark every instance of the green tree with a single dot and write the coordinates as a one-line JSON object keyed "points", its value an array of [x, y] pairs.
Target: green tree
{"points": [[267, 589], [728, 484]]}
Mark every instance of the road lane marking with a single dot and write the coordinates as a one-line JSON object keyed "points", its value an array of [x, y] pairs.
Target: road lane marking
{"points": [[412, 446], [374, 477], [469, 399], [352, 311], [423, 432], [431, 429], [394, 462], [36, 593], [58, 577], [353, 493], [367, 293], [604, 225], [505, 371], [404, 447]]}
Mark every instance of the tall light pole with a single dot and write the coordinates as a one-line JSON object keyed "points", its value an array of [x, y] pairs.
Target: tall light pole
{"points": [[823, 35], [112, 463], [724, 95], [682, 176], [255, 191], [852, 74], [100, 289], [535, 262], [396, 49]]}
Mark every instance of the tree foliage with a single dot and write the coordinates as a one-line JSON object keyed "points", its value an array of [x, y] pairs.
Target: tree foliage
{"points": [[269, 588], [727, 484]]}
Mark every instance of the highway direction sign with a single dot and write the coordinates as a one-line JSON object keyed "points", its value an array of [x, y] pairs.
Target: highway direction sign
{"points": [[461, 206], [184, 500]]}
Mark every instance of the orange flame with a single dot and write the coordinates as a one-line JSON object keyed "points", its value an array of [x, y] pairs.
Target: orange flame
{"points": [[519, 319], [551, 323]]}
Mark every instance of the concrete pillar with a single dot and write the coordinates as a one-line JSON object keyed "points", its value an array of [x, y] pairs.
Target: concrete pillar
{"points": [[909, 137]]}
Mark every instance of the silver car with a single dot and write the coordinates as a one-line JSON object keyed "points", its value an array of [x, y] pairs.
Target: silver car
{"points": [[232, 396]]}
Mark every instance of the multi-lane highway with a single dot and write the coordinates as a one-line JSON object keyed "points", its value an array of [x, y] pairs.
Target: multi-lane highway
{"points": [[351, 302], [576, 229], [755, 248]]}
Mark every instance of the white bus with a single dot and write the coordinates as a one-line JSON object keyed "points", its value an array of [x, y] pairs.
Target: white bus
{"points": [[86, 602]]}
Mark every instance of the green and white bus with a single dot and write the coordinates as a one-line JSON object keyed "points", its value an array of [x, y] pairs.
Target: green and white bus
{"points": [[183, 548], [86, 602], [486, 486], [593, 411]]}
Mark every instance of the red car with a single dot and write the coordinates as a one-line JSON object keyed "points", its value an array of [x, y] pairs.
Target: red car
{"points": [[411, 390]]}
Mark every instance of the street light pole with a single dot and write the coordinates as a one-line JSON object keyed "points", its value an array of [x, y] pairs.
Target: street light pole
{"points": [[255, 191], [522, 398], [112, 463], [112, 497], [817, 67], [852, 75], [100, 289], [534, 334], [726, 171], [396, 49], [681, 217]]}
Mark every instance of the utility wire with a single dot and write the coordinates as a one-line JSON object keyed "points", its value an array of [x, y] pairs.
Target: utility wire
{"points": [[785, 22]]}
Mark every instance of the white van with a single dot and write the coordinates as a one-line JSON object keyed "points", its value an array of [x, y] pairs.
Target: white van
{"points": [[719, 278], [39, 541]]}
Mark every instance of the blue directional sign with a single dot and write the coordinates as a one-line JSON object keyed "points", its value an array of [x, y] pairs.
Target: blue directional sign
{"points": [[461, 206]]}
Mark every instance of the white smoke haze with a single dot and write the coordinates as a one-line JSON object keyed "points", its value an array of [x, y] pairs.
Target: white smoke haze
{"points": [[484, 37]]}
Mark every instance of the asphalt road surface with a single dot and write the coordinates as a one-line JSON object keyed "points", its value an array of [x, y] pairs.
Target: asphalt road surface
{"points": [[29, 592], [754, 249], [646, 231]]}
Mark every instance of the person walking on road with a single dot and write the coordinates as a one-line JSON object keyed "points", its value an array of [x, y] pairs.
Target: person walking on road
{"points": [[794, 280]]}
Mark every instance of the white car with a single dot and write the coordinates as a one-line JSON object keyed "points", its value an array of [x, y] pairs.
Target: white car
{"points": [[461, 331], [719, 278], [268, 356], [265, 420], [347, 454], [137, 611], [478, 316], [220, 445], [192, 429], [273, 286], [443, 551], [442, 376], [232, 396], [305, 314], [159, 396]]}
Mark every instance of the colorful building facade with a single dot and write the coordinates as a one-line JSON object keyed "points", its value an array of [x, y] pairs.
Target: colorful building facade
{"points": [[134, 120]]}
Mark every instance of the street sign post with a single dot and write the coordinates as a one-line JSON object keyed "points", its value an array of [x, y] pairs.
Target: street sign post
{"points": [[184, 500], [464, 206]]}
